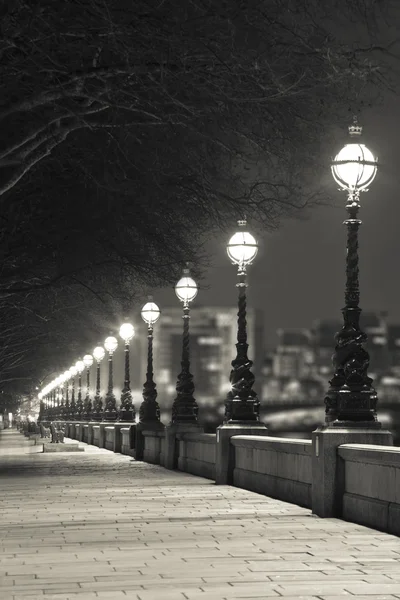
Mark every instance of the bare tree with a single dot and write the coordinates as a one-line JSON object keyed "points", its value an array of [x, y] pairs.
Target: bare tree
{"points": [[130, 130]]}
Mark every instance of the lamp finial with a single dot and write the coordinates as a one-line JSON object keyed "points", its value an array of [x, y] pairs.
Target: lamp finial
{"points": [[355, 129]]}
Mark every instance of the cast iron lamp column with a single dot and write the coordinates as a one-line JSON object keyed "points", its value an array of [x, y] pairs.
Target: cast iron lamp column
{"points": [[73, 370], [87, 407], [98, 355], [110, 409], [80, 367], [58, 400], [41, 407], [149, 410], [185, 407], [63, 411], [53, 402], [351, 399], [242, 404], [50, 402], [67, 405], [127, 411]]}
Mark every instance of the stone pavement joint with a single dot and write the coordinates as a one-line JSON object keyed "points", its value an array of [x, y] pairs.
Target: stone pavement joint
{"points": [[96, 525]]}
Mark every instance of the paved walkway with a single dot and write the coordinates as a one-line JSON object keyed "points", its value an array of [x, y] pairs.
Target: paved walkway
{"points": [[100, 525]]}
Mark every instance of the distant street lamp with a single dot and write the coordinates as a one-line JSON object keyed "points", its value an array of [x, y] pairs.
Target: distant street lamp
{"points": [[41, 407], [98, 355], [149, 410], [185, 407], [242, 404], [110, 410], [67, 377], [73, 371], [87, 406], [80, 367], [127, 410], [351, 397], [58, 400]]}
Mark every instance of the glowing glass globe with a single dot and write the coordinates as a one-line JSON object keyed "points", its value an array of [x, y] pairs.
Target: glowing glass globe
{"points": [[127, 331], [99, 353], [186, 288], [150, 313], [242, 248], [354, 167], [88, 360], [80, 365], [111, 344]]}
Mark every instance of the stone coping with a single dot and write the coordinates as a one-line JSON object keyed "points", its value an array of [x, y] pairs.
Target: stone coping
{"points": [[153, 433], [258, 442], [204, 438], [369, 453]]}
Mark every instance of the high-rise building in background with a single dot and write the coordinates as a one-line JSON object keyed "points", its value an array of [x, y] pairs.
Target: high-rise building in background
{"points": [[323, 340], [294, 355], [372, 323], [213, 335], [394, 348]]}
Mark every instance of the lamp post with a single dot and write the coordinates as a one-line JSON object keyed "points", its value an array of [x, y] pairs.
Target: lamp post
{"points": [[351, 397], [53, 400], [242, 404], [127, 410], [73, 371], [80, 367], [98, 355], [149, 410], [184, 407], [58, 400], [41, 407], [67, 407], [350, 403], [87, 407], [110, 409]]}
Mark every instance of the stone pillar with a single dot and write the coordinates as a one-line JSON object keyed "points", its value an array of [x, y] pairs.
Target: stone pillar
{"points": [[225, 451], [171, 431], [140, 439]]}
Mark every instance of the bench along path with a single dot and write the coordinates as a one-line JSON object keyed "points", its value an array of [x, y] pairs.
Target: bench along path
{"points": [[100, 525]]}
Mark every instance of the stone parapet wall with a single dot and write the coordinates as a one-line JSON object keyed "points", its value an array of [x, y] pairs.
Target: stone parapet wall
{"points": [[153, 448], [371, 486], [276, 467], [197, 454]]}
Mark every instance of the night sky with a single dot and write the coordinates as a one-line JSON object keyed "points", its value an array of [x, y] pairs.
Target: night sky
{"points": [[299, 273]]}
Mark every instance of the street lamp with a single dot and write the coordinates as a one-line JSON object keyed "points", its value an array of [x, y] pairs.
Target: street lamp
{"points": [[242, 404], [80, 367], [73, 371], [87, 407], [66, 376], [58, 399], [110, 409], [127, 410], [351, 397], [41, 407], [98, 355], [149, 410], [184, 407]]}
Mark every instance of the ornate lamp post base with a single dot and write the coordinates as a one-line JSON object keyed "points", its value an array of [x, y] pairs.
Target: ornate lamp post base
{"points": [[127, 412], [97, 413], [110, 411]]}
